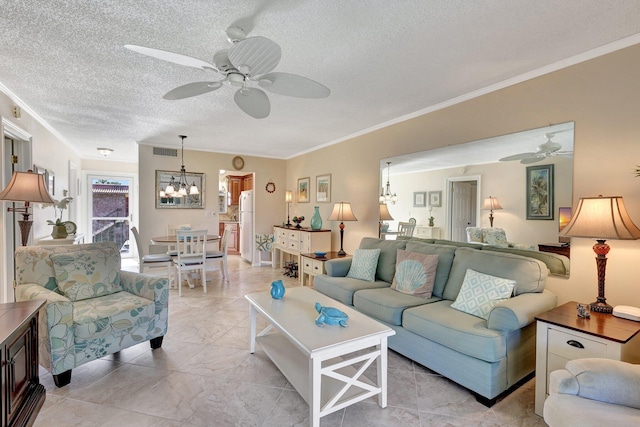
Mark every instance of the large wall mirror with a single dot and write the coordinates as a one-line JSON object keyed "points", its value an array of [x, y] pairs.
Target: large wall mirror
{"points": [[468, 174], [190, 201]]}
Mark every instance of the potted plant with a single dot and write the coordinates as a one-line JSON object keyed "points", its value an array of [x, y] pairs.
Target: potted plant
{"points": [[431, 221], [59, 226]]}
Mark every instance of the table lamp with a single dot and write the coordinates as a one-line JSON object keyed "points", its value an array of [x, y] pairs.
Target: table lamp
{"points": [[384, 216], [491, 204], [27, 187], [288, 198], [342, 212], [601, 218]]}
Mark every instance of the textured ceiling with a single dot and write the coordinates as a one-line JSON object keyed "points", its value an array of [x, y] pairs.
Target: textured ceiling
{"points": [[381, 59]]}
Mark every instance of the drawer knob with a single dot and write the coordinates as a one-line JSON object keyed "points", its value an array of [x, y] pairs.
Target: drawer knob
{"points": [[574, 343]]}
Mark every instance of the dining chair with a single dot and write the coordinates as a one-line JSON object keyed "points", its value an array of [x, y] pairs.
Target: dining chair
{"points": [[171, 231], [406, 229], [191, 256], [151, 260], [221, 255]]}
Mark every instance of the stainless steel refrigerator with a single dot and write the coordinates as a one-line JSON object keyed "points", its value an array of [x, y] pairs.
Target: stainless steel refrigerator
{"points": [[246, 225]]}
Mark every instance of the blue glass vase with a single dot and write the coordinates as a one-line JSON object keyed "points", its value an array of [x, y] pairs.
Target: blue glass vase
{"points": [[277, 289], [316, 220]]}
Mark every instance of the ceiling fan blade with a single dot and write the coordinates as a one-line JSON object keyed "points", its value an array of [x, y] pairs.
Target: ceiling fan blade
{"points": [[520, 156], [532, 160], [293, 85], [176, 58], [192, 89], [255, 56], [253, 101]]}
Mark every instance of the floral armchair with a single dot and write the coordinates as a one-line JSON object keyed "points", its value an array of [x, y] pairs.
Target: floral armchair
{"points": [[93, 309]]}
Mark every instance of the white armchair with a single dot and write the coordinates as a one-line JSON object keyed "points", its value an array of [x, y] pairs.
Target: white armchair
{"points": [[594, 392]]}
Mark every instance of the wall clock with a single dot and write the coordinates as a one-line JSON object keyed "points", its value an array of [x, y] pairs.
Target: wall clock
{"points": [[270, 187], [238, 162]]}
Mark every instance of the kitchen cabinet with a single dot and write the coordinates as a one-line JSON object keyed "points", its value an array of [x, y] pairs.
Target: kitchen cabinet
{"points": [[237, 184], [22, 393], [247, 182], [234, 238]]}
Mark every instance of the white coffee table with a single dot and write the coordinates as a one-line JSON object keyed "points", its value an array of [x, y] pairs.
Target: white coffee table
{"points": [[312, 358]]}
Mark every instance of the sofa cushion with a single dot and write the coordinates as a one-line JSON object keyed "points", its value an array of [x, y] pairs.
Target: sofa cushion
{"points": [[480, 292], [415, 273], [342, 288], [445, 259], [87, 274], [459, 331], [387, 259], [363, 264], [530, 274], [459, 244], [110, 314], [386, 304]]}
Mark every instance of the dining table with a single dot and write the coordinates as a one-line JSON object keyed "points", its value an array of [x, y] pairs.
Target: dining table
{"points": [[173, 240]]}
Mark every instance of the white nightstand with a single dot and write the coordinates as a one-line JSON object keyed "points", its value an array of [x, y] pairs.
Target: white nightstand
{"points": [[313, 266], [563, 336]]}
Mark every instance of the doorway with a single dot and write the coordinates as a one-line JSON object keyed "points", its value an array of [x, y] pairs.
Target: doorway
{"points": [[463, 206], [110, 213]]}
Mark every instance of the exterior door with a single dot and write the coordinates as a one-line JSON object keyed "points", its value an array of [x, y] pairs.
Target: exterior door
{"points": [[110, 202]]}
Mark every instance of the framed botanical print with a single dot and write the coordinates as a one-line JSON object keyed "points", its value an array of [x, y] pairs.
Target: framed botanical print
{"points": [[323, 188], [303, 189], [420, 199], [435, 198], [540, 192]]}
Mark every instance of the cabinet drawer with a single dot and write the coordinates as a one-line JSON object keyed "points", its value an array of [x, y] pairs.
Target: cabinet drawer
{"points": [[293, 244], [308, 264], [281, 233], [560, 344], [317, 267], [293, 235]]}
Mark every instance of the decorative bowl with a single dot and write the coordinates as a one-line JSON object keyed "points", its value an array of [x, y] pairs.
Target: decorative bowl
{"points": [[320, 254]]}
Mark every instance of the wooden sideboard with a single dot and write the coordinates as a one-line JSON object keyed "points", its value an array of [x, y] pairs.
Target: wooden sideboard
{"points": [[22, 393], [296, 241]]}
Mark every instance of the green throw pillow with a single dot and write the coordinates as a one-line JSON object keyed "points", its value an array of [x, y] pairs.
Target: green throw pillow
{"points": [[480, 292], [415, 273], [364, 264], [87, 274]]}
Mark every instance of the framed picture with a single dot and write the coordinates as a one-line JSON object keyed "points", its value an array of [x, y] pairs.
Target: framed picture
{"points": [[190, 201], [420, 199], [540, 192], [323, 188], [303, 189], [435, 198]]}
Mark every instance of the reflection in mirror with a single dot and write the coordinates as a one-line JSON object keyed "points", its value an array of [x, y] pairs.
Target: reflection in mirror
{"points": [[468, 174], [189, 201]]}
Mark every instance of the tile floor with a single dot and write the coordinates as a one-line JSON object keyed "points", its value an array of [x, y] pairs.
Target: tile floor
{"points": [[204, 375]]}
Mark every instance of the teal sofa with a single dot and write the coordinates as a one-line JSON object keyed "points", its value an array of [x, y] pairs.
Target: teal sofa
{"points": [[92, 307], [486, 356]]}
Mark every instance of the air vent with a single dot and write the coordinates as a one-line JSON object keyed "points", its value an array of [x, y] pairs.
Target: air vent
{"points": [[168, 152]]}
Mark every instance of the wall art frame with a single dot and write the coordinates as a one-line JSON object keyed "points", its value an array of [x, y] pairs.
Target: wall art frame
{"points": [[420, 199], [323, 188], [435, 199], [540, 192], [304, 190]]}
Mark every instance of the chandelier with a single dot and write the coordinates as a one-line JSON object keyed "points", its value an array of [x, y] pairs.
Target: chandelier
{"points": [[385, 195], [179, 189]]}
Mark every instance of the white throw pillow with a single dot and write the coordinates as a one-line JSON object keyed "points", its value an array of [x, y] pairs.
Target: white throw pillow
{"points": [[480, 292], [364, 264]]}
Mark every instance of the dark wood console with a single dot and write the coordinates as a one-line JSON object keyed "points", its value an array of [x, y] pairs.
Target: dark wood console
{"points": [[22, 393]]}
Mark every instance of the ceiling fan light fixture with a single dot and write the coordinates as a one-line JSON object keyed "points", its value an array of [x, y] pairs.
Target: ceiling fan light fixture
{"points": [[236, 79]]}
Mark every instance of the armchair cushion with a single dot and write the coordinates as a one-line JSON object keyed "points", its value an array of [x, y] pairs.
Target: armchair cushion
{"points": [[494, 236], [87, 274]]}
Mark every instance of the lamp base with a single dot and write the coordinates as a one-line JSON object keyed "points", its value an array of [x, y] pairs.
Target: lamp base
{"points": [[601, 307]]}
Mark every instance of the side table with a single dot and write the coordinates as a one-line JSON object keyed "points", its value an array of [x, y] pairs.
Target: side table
{"points": [[563, 336], [314, 266]]}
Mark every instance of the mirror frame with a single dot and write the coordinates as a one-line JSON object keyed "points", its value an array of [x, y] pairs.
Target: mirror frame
{"points": [[190, 201]]}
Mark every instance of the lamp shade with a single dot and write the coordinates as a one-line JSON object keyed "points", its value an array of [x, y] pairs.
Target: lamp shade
{"points": [[384, 213], [491, 203], [601, 218], [288, 196], [26, 187], [342, 212]]}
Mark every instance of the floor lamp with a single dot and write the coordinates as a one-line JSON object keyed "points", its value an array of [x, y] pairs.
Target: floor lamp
{"points": [[601, 218], [342, 212], [27, 187]]}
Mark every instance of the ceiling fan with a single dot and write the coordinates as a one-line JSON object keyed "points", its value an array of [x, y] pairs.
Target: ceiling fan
{"points": [[547, 149], [250, 59]]}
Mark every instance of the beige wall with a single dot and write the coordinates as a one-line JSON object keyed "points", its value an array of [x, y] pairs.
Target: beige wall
{"points": [[600, 95], [269, 207]]}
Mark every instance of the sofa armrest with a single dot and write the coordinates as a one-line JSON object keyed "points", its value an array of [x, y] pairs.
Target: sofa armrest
{"points": [[517, 312], [604, 380], [338, 267], [55, 327]]}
